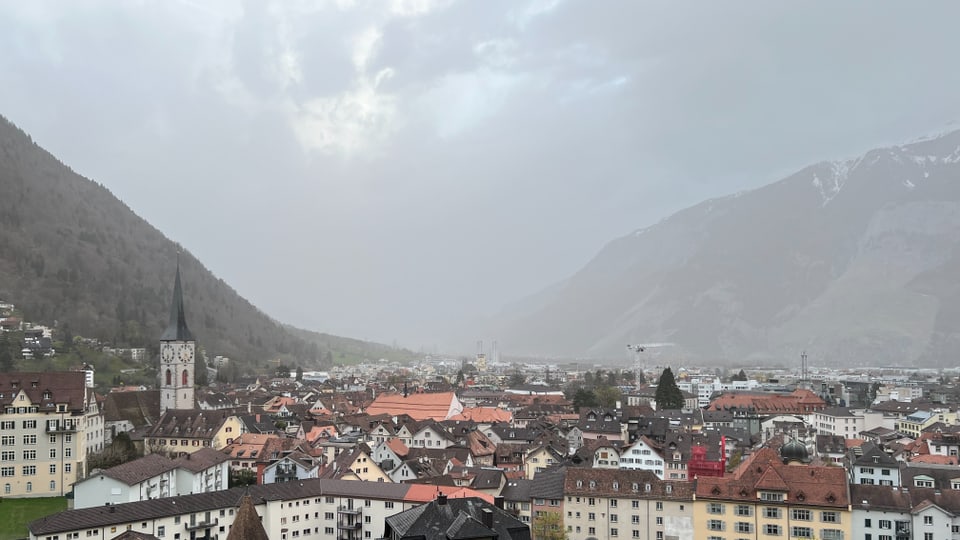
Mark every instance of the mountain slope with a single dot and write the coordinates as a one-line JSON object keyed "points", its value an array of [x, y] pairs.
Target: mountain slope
{"points": [[855, 261], [73, 253]]}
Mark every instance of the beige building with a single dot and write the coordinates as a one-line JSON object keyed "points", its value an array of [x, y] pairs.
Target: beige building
{"points": [[610, 504], [49, 423]]}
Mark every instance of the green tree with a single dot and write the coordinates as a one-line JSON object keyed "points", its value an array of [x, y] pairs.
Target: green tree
{"points": [[200, 377], [742, 376], [584, 398], [460, 378], [668, 395], [607, 396], [517, 379], [611, 378], [299, 374], [6, 354], [548, 526]]}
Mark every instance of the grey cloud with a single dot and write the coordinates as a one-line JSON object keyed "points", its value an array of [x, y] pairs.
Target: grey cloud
{"points": [[488, 174]]}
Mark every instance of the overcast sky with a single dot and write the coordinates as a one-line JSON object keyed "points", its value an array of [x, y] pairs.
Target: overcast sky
{"points": [[385, 169]]}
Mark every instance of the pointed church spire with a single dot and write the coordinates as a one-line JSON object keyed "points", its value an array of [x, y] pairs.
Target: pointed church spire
{"points": [[177, 330]]}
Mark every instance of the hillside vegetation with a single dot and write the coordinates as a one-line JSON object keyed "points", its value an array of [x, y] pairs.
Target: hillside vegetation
{"points": [[74, 255]]}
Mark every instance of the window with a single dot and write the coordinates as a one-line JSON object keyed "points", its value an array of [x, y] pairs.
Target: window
{"points": [[770, 496], [29, 470], [53, 485], [591, 517], [614, 532], [8, 424], [772, 530], [829, 517], [8, 440], [53, 453], [613, 503], [68, 452], [30, 439], [831, 534], [744, 510], [68, 467], [886, 524], [802, 532], [928, 536], [659, 505], [161, 531], [715, 525], [867, 523], [53, 468], [29, 424], [714, 508], [744, 527], [8, 455], [928, 520], [801, 514], [29, 487]]}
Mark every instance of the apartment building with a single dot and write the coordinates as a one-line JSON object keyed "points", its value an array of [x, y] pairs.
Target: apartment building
{"points": [[839, 421], [611, 504], [317, 509], [777, 496], [49, 423]]}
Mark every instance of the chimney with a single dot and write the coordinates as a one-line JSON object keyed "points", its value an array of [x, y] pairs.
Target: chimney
{"points": [[487, 517], [498, 501], [441, 499]]}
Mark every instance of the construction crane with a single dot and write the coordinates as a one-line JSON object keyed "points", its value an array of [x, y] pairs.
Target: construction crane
{"points": [[639, 360]]}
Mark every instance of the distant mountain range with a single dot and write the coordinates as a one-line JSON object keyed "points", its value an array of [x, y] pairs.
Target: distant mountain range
{"points": [[72, 253], [855, 261]]}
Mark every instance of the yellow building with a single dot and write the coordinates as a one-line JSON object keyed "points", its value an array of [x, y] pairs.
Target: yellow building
{"points": [[49, 423], [184, 431], [913, 424], [774, 496]]}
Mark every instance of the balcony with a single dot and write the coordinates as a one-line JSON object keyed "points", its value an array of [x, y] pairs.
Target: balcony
{"points": [[205, 524], [61, 427], [348, 510], [347, 526]]}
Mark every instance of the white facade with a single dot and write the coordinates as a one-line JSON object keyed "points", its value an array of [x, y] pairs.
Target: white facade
{"points": [[641, 456], [100, 489], [177, 375]]}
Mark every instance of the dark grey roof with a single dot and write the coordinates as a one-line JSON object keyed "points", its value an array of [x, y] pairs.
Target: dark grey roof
{"points": [[138, 470], [548, 483], [102, 516], [455, 519], [201, 460], [517, 490], [177, 330]]}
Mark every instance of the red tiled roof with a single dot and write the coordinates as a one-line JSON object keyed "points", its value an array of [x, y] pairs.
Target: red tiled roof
{"points": [[427, 493], [419, 406], [484, 415], [763, 471]]}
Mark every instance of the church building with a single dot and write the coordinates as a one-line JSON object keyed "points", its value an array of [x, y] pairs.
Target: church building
{"points": [[177, 349]]}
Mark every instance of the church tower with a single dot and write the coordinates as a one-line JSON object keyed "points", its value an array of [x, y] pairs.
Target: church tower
{"points": [[177, 349]]}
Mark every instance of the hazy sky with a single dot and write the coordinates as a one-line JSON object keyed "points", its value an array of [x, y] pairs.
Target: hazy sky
{"points": [[386, 169]]}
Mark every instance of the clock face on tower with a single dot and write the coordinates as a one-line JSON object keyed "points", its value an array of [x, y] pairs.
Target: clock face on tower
{"points": [[186, 354], [166, 352]]}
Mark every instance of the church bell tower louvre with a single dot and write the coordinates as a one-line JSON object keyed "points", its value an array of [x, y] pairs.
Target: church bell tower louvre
{"points": [[177, 350]]}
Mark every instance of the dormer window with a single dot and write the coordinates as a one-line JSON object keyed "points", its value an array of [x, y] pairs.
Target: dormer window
{"points": [[646, 487], [47, 395], [616, 486], [593, 484], [579, 483], [669, 488]]}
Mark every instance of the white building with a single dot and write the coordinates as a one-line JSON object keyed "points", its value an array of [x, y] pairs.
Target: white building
{"points": [[642, 456], [154, 476], [318, 509], [839, 421]]}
